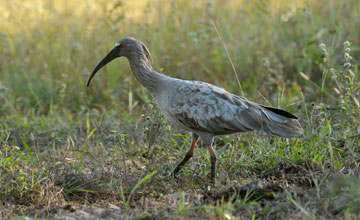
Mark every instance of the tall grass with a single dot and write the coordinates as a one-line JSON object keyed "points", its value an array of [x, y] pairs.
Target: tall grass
{"points": [[49, 48]]}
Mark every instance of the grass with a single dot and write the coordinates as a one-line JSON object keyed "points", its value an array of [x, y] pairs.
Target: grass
{"points": [[65, 148]]}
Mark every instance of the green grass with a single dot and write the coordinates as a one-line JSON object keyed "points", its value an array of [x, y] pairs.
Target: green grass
{"points": [[65, 145]]}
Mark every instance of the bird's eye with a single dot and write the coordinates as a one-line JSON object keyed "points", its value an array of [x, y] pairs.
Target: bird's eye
{"points": [[122, 45]]}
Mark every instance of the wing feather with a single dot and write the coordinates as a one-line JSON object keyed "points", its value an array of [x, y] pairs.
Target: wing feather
{"points": [[199, 106], [204, 107]]}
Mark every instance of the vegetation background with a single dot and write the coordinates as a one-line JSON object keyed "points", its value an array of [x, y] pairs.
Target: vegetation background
{"points": [[66, 149]]}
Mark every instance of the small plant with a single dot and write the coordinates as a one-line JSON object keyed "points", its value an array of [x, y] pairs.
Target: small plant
{"points": [[347, 91], [138, 184], [223, 211], [301, 207], [346, 193], [183, 206]]}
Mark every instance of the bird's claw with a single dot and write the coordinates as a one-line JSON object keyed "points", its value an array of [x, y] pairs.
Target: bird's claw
{"points": [[172, 174]]}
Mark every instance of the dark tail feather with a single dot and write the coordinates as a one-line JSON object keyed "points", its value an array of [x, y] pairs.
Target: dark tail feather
{"points": [[280, 122]]}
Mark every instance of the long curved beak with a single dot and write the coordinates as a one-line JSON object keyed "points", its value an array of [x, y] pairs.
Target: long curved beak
{"points": [[114, 53]]}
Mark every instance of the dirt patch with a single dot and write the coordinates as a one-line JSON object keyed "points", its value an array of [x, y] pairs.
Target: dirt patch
{"points": [[295, 178], [291, 173], [254, 190]]}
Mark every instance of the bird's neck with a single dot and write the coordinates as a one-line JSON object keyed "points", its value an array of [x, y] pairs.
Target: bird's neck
{"points": [[144, 73]]}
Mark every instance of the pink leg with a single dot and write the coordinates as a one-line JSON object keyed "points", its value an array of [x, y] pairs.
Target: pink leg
{"points": [[213, 164], [188, 155]]}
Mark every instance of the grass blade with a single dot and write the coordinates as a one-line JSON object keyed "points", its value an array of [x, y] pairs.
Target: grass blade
{"points": [[138, 184], [29, 153]]}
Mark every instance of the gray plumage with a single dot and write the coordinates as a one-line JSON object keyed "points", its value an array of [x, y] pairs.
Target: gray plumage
{"points": [[203, 109], [206, 109]]}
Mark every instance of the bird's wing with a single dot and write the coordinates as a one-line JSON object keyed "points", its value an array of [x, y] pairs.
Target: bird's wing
{"points": [[208, 108]]}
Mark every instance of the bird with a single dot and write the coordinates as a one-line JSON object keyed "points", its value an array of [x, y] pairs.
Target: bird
{"points": [[203, 109]]}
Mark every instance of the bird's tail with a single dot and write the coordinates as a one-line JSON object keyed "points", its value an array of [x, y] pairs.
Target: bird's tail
{"points": [[280, 122]]}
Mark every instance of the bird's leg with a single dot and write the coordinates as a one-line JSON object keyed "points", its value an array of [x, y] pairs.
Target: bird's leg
{"points": [[213, 163], [188, 155]]}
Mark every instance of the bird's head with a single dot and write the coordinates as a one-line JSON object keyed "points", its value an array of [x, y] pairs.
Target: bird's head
{"points": [[126, 47]]}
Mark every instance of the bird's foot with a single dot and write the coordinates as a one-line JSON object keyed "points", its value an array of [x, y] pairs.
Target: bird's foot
{"points": [[173, 173], [211, 177]]}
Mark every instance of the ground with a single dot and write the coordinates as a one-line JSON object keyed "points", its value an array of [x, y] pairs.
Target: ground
{"points": [[123, 173]]}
